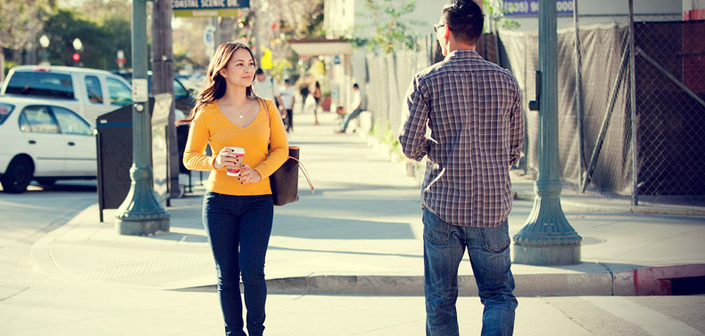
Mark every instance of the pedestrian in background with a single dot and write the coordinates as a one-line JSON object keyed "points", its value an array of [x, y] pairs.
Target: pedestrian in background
{"points": [[317, 97], [266, 87], [288, 99], [473, 111], [357, 105], [237, 210], [304, 91]]}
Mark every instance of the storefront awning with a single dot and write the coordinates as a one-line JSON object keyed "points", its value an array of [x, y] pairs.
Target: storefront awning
{"points": [[321, 47]]}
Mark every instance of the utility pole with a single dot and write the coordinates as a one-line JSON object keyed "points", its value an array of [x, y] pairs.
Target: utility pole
{"points": [[141, 213], [163, 81], [547, 238]]}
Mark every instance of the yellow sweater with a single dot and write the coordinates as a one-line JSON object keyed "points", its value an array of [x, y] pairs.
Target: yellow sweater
{"points": [[211, 127]]}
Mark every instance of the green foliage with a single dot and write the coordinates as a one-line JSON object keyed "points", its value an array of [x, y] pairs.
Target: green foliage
{"points": [[495, 11], [101, 40], [390, 28], [18, 18], [279, 67]]}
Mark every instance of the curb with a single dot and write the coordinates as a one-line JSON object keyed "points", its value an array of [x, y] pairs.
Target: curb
{"points": [[573, 205], [527, 285], [639, 282]]}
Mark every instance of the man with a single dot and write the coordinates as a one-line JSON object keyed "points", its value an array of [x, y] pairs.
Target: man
{"points": [[266, 87], [472, 110], [288, 97], [357, 105]]}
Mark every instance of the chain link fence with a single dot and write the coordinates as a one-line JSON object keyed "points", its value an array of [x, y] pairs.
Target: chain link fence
{"points": [[659, 157], [670, 102]]}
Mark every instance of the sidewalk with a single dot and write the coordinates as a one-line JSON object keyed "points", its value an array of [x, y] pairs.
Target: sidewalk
{"points": [[361, 234]]}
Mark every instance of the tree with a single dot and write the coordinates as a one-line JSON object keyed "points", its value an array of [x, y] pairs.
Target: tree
{"points": [[390, 28], [19, 23], [101, 40]]}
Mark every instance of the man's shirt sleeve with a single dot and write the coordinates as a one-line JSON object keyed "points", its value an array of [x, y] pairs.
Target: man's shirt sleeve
{"points": [[516, 127], [412, 135]]}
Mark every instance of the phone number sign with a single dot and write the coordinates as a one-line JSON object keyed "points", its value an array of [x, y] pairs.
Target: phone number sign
{"points": [[531, 7]]}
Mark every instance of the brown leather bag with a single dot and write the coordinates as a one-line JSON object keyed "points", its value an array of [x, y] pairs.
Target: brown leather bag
{"points": [[285, 180]]}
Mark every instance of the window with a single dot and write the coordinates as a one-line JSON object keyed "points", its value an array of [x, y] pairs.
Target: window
{"points": [[71, 123], [179, 90], [120, 94], [5, 110], [38, 119], [95, 94], [41, 83]]}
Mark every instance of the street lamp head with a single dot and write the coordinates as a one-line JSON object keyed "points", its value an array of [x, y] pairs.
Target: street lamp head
{"points": [[44, 41], [77, 44]]}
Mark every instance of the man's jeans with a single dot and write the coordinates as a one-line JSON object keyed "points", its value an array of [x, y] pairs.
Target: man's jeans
{"points": [[444, 247], [354, 114], [238, 229]]}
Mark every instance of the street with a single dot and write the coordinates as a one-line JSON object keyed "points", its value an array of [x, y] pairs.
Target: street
{"points": [[27, 217]]}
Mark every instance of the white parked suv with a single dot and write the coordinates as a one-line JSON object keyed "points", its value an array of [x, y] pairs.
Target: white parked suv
{"points": [[88, 92], [43, 140]]}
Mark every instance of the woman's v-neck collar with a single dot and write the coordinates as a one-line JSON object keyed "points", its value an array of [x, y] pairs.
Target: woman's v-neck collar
{"points": [[259, 110]]}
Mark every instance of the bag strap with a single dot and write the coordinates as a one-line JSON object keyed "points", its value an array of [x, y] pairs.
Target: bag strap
{"points": [[303, 170], [301, 165]]}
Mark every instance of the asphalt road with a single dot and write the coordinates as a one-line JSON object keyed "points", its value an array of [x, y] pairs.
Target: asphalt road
{"points": [[27, 217]]}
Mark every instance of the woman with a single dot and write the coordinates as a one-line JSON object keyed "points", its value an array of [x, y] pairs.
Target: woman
{"points": [[237, 211]]}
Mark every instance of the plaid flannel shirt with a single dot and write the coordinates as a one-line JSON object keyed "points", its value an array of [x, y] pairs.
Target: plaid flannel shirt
{"points": [[465, 115]]}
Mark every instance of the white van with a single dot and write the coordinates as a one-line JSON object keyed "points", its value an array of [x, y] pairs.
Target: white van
{"points": [[89, 92]]}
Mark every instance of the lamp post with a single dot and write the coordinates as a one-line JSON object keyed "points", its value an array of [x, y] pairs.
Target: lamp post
{"points": [[547, 238], [141, 213], [44, 42]]}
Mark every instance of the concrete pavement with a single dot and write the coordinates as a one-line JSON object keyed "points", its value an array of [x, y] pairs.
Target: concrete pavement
{"points": [[358, 237], [361, 233]]}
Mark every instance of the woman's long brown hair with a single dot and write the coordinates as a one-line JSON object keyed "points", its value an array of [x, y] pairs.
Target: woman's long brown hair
{"points": [[215, 85]]}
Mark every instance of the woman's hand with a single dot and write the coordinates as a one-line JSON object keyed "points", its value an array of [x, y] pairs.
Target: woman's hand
{"points": [[225, 158], [249, 175]]}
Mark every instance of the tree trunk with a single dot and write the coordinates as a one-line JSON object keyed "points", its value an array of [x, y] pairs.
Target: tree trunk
{"points": [[163, 80], [226, 29], [2, 64]]}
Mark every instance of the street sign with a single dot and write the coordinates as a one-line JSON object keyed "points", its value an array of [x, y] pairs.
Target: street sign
{"points": [[209, 36], [140, 90], [208, 8]]}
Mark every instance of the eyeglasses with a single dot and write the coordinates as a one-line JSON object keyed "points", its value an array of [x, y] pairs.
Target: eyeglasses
{"points": [[438, 25]]}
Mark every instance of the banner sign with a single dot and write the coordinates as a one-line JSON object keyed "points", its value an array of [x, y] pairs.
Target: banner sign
{"points": [[531, 7], [207, 8]]}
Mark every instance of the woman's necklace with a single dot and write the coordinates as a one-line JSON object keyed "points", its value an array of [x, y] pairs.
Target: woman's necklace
{"points": [[239, 111]]}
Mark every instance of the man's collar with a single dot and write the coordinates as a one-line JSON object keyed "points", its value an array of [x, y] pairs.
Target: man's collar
{"points": [[461, 53]]}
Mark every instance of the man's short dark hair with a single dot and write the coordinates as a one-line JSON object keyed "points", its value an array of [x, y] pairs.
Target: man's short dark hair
{"points": [[259, 71], [355, 86], [464, 18]]}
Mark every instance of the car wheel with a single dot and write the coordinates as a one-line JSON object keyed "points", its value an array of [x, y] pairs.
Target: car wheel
{"points": [[17, 176], [47, 182]]}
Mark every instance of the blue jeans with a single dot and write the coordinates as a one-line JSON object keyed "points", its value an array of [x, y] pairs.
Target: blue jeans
{"points": [[444, 247], [354, 114], [238, 229]]}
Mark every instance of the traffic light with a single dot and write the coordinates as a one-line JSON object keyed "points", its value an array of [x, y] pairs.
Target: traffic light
{"points": [[76, 57]]}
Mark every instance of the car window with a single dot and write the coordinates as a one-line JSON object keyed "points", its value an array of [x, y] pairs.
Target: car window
{"points": [[179, 90], [5, 110], [70, 122], [120, 94], [41, 83], [38, 119], [95, 94]]}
